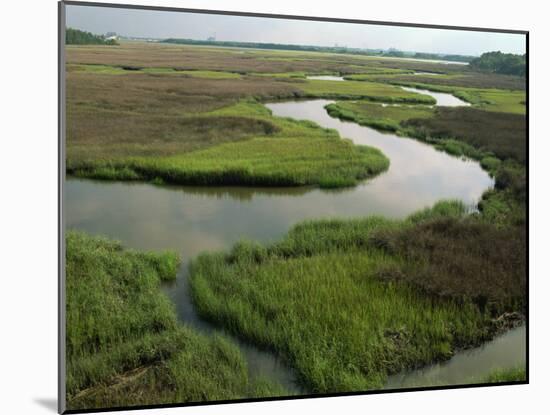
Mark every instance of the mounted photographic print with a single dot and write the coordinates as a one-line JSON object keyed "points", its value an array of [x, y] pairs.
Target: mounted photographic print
{"points": [[258, 207]]}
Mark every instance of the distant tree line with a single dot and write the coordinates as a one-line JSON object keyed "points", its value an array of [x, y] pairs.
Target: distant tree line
{"points": [[79, 37], [502, 63], [255, 45], [328, 49], [424, 55], [435, 56]]}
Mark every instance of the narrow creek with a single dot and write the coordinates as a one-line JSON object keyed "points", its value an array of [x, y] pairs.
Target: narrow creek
{"points": [[442, 99], [466, 366], [193, 219]]}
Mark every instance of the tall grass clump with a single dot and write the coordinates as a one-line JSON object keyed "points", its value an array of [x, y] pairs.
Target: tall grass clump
{"points": [[489, 99], [384, 118], [514, 374], [289, 153], [124, 343], [348, 302]]}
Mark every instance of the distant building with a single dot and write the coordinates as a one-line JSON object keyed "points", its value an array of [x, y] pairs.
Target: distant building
{"points": [[111, 34]]}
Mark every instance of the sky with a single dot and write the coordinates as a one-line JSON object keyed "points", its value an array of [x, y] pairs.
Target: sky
{"points": [[165, 24]]}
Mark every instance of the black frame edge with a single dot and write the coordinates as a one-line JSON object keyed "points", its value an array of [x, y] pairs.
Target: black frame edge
{"points": [[292, 398], [527, 125], [61, 329]]}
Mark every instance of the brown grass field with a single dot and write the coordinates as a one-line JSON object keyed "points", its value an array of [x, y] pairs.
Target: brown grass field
{"points": [[142, 54], [133, 106], [501, 133]]}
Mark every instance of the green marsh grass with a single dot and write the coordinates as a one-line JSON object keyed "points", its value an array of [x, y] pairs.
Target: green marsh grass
{"points": [[125, 70], [211, 74], [515, 374], [283, 152], [334, 298], [460, 131], [97, 69], [372, 91], [125, 346], [366, 74], [463, 79], [385, 118], [489, 99]]}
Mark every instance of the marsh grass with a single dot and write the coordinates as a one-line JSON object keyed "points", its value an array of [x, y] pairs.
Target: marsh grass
{"points": [[377, 92], [144, 112], [366, 74], [489, 99], [345, 303], [385, 118], [126, 69], [454, 80], [262, 162], [188, 57], [489, 137], [464, 260], [515, 374], [125, 346], [506, 204], [501, 134], [465, 79], [266, 151]]}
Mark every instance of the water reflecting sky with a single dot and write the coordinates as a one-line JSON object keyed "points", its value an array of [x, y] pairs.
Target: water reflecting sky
{"points": [[195, 219]]}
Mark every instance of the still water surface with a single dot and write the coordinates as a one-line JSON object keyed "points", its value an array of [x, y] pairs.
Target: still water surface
{"points": [[427, 73], [197, 219], [326, 78], [442, 99], [505, 351]]}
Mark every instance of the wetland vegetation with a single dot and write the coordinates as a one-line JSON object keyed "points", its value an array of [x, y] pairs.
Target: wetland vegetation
{"points": [[516, 374], [125, 346], [345, 302], [499, 134], [349, 302]]}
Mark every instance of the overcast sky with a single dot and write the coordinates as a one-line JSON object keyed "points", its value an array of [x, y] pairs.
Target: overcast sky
{"points": [[162, 24]]}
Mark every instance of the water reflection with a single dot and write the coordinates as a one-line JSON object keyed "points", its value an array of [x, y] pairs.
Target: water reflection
{"points": [[442, 99], [419, 175], [326, 78], [427, 73], [468, 366]]}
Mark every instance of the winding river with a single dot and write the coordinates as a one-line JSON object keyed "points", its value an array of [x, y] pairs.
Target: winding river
{"points": [[197, 219]]}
